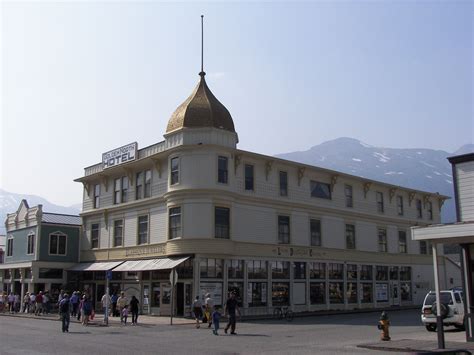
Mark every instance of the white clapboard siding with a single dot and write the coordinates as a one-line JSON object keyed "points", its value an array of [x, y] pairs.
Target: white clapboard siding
{"points": [[465, 186]]}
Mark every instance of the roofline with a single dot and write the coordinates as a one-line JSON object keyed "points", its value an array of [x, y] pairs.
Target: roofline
{"points": [[461, 158], [62, 214], [61, 224]]}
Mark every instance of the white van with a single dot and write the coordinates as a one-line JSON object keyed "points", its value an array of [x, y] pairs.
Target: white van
{"points": [[452, 309]]}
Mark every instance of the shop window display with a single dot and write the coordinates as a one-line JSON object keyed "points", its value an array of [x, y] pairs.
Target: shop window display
{"points": [[351, 292], [280, 293], [280, 269], [317, 292], [336, 292], [257, 294]]}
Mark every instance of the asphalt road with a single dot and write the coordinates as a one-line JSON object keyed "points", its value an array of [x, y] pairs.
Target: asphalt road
{"points": [[335, 334]]}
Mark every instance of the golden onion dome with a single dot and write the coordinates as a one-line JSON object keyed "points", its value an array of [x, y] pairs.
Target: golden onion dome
{"points": [[201, 109]]}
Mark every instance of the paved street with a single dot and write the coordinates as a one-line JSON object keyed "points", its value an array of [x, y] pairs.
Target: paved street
{"points": [[333, 334]]}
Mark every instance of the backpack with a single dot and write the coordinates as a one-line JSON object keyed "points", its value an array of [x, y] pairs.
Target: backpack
{"points": [[64, 307]]}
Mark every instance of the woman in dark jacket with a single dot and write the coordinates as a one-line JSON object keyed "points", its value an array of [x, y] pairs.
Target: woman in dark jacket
{"points": [[134, 309]]}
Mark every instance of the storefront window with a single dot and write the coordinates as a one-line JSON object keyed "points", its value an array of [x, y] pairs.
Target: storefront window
{"points": [[185, 269], [236, 269], [160, 275], [351, 292], [352, 272], [366, 272], [382, 273], [116, 275], [257, 269], [299, 271], [335, 271], [394, 273], [367, 293], [146, 275], [215, 289], [405, 288], [280, 269], [166, 297], [280, 293], [50, 273], [381, 292], [17, 274], [28, 274], [238, 289], [317, 292], [336, 292], [8, 275], [211, 268], [257, 294], [99, 275], [405, 273], [317, 271]]}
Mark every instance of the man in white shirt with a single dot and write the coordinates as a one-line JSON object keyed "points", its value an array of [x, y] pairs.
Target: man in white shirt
{"points": [[106, 302]]}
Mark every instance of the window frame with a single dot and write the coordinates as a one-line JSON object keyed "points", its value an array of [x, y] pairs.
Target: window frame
{"points": [[313, 235], [419, 208], [147, 241], [96, 201], [313, 184], [379, 198], [402, 246], [179, 229], [400, 208], [283, 183], [430, 210], [92, 235], [350, 228], [221, 227], [222, 174], [114, 236], [58, 234], [30, 235], [117, 190], [382, 240], [282, 234], [349, 197], [175, 171], [248, 179], [9, 246]]}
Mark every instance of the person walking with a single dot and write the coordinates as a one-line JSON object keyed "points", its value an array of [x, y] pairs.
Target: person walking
{"points": [[11, 302], [105, 305], [197, 310], [216, 316], [114, 299], [86, 310], [26, 303], [17, 303], [39, 304], [65, 312], [231, 307], [32, 302], [124, 316], [209, 308], [46, 301], [134, 309], [122, 302]]}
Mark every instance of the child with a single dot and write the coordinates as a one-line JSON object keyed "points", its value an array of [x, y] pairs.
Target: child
{"points": [[215, 319], [124, 315]]}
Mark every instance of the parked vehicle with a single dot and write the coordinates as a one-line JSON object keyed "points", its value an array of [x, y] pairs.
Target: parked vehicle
{"points": [[451, 309]]}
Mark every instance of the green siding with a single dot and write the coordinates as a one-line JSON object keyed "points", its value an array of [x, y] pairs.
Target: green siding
{"points": [[72, 244], [20, 245]]}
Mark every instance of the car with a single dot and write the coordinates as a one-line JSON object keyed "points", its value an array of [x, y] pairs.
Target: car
{"points": [[451, 309]]}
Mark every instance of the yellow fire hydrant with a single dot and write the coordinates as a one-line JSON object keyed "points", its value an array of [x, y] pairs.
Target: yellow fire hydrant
{"points": [[384, 324]]}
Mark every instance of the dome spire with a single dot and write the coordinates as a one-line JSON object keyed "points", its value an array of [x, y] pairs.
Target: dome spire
{"points": [[202, 73]]}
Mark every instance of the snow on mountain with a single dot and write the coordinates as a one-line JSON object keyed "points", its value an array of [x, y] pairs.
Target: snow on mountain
{"points": [[423, 169], [9, 203]]}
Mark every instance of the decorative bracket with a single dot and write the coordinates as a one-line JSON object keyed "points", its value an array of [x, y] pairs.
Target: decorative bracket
{"points": [[237, 160], [391, 193], [86, 187], [366, 188], [441, 202], [268, 168], [411, 196], [158, 166], [333, 181], [301, 171], [104, 179]]}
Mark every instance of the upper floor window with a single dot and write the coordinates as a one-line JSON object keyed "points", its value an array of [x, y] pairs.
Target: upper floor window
{"points": [[350, 236], [382, 233], [400, 205], [121, 190], [280, 269], [430, 210], [257, 269], [419, 209], [222, 222], [320, 189], [95, 231], [96, 195], [174, 222], [10, 246], [222, 170], [315, 232], [402, 241], [143, 184], [57, 243], [249, 177], [31, 244], [142, 229], [235, 269], [380, 207], [425, 247], [283, 183], [299, 270], [283, 230], [211, 268], [348, 193], [118, 232], [174, 171]]}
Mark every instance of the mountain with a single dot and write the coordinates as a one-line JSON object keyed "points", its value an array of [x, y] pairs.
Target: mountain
{"points": [[423, 169], [9, 203]]}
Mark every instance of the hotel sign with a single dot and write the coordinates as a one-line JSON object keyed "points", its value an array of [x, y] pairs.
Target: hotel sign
{"points": [[120, 155]]}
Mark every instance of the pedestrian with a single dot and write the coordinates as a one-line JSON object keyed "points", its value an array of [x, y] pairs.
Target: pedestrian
{"points": [[134, 309], [65, 312], [11, 302], [209, 308], [105, 305], [17, 303], [122, 302], [197, 310], [231, 307], [124, 316], [39, 304], [26, 303], [216, 316], [75, 303], [114, 299], [46, 301], [32, 302], [86, 310], [2, 302]]}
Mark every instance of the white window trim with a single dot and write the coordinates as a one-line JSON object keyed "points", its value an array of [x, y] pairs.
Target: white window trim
{"points": [[170, 172], [10, 237], [168, 222], [98, 239], [217, 170], [147, 227], [58, 233], [31, 234], [113, 233]]}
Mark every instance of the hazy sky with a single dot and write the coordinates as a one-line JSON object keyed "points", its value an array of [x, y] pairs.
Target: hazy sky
{"points": [[80, 78]]}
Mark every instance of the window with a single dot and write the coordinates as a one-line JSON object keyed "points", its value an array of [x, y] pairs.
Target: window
{"points": [[280, 293], [212, 268], [393, 273], [124, 189], [147, 192], [44, 273], [367, 292], [283, 183], [351, 272], [280, 269], [351, 292], [142, 229], [382, 273], [238, 289], [118, 232], [405, 273], [222, 171], [235, 269], [336, 292], [299, 270], [222, 222], [315, 231], [335, 271], [174, 171], [419, 210], [402, 241], [283, 230], [57, 243], [174, 222], [317, 292], [139, 186], [258, 294], [350, 236], [143, 185], [185, 269], [96, 195], [425, 247], [320, 189], [430, 210], [31, 243], [380, 207], [405, 291], [117, 191], [95, 230], [249, 177], [10, 246], [366, 272], [257, 269], [121, 190], [400, 205], [382, 240], [317, 271], [348, 193]]}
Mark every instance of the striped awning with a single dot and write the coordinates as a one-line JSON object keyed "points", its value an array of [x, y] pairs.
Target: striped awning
{"points": [[97, 266], [151, 264]]}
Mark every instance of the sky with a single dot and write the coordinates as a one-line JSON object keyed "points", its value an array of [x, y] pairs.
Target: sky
{"points": [[80, 78]]}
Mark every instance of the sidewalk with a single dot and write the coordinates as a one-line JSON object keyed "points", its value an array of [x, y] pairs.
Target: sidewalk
{"points": [[415, 345]]}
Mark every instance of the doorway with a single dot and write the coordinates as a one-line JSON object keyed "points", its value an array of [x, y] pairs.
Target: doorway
{"points": [[180, 299], [394, 294]]}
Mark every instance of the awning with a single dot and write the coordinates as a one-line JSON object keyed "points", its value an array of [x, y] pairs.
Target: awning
{"points": [[151, 264], [15, 265], [98, 266]]}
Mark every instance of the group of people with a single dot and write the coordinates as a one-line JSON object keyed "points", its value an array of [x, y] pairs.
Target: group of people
{"points": [[37, 303], [210, 313], [120, 306]]}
